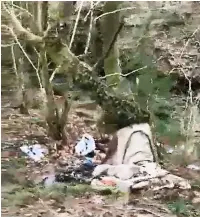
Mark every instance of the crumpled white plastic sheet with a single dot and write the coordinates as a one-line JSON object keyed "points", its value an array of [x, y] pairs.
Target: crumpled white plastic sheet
{"points": [[35, 152]]}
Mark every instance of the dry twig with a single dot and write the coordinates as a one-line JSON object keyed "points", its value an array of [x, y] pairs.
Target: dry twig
{"points": [[22, 9], [124, 75], [186, 44], [8, 45], [112, 12], [91, 11]]}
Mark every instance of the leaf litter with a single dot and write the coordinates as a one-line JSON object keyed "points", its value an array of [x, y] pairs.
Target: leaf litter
{"points": [[78, 199]]}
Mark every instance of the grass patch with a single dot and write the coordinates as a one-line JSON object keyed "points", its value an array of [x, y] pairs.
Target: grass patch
{"points": [[19, 191], [182, 208], [20, 198], [14, 171], [57, 192], [15, 163]]}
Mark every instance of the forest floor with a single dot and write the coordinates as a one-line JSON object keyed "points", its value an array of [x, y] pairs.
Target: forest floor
{"points": [[21, 198]]}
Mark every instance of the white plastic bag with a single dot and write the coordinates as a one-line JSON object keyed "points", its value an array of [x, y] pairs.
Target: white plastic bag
{"points": [[85, 146]]}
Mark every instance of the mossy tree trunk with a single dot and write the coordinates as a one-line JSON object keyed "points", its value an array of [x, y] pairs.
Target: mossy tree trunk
{"points": [[18, 66], [124, 108], [96, 45], [109, 25], [66, 10], [64, 118], [51, 110], [52, 115]]}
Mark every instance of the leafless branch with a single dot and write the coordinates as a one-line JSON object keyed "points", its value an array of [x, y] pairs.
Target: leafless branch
{"points": [[186, 44], [124, 75], [19, 30], [136, 70], [21, 47], [90, 29], [112, 12], [25, 54], [76, 24], [91, 11], [22, 9], [54, 72], [8, 45]]}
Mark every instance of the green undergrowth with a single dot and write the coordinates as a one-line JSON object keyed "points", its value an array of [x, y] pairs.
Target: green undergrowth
{"points": [[151, 89], [19, 190], [183, 208], [20, 196]]}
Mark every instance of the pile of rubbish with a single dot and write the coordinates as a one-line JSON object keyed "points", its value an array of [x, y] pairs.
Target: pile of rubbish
{"points": [[123, 177], [75, 173], [78, 170]]}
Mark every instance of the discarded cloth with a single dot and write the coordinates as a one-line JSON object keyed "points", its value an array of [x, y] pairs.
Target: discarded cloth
{"points": [[127, 176]]}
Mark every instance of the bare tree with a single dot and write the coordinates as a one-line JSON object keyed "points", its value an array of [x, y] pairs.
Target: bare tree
{"points": [[50, 44]]}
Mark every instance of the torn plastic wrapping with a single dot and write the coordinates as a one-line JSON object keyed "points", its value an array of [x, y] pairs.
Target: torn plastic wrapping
{"points": [[35, 152]]}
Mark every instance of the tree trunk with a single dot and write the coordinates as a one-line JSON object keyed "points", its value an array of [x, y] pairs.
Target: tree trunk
{"points": [[66, 10], [110, 24], [64, 118], [24, 104], [122, 106], [52, 116], [18, 67]]}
